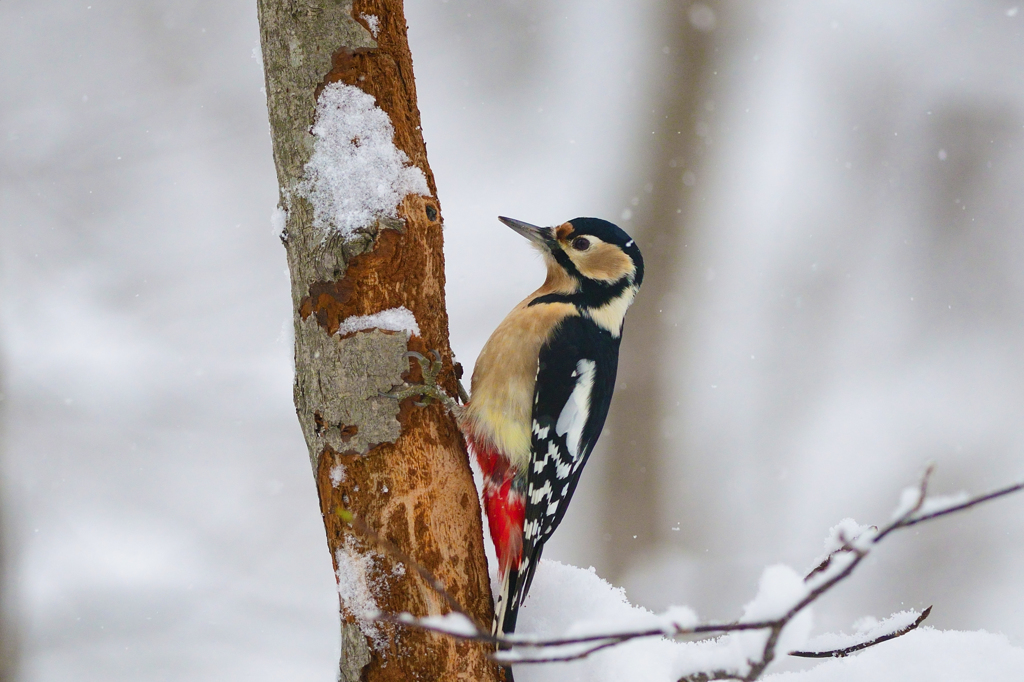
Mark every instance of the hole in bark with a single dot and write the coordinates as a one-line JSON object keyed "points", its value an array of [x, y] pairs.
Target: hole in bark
{"points": [[431, 213]]}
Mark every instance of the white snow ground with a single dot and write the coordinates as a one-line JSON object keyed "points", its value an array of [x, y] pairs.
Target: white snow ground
{"points": [[562, 593]]}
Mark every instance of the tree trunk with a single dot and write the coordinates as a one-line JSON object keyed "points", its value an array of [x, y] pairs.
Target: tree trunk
{"points": [[401, 468]]}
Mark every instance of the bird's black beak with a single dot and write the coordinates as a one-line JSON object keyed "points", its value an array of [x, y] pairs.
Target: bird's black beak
{"points": [[538, 235]]}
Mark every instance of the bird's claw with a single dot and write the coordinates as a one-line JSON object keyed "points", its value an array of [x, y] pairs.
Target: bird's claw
{"points": [[429, 368], [429, 388]]}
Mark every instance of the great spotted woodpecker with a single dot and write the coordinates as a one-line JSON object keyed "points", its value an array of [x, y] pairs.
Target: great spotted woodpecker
{"points": [[541, 390]]}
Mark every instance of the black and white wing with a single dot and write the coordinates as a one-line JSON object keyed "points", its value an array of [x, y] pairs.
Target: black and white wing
{"points": [[575, 379]]}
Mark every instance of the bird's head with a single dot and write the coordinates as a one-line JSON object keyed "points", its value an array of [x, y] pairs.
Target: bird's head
{"points": [[591, 263], [594, 253]]}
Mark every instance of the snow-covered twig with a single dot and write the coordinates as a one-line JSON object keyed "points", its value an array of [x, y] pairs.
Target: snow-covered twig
{"points": [[847, 650], [851, 545], [1002, 492]]}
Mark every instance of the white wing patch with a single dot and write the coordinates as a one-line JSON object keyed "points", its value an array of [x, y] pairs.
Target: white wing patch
{"points": [[531, 530], [574, 415], [543, 492], [540, 462]]}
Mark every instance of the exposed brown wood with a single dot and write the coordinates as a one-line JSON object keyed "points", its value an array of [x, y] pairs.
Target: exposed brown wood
{"points": [[403, 469]]}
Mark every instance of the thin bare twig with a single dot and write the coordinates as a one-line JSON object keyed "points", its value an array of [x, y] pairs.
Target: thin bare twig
{"points": [[966, 505], [904, 519], [510, 660], [840, 653]]}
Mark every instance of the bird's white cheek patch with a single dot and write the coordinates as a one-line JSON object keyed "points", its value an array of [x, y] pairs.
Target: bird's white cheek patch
{"points": [[574, 415], [611, 314]]}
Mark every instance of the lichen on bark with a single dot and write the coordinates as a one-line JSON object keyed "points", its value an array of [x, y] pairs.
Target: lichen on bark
{"points": [[340, 406]]}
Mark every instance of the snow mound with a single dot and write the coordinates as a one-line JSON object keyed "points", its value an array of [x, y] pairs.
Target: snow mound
{"points": [[569, 599], [562, 599], [924, 655]]}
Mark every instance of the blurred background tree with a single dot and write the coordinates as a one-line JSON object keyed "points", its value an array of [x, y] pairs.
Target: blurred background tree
{"points": [[660, 209], [846, 304], [8, 631]]}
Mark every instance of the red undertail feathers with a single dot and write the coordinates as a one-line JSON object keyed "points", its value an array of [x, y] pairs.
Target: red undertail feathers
{"points": [[504, 505]]}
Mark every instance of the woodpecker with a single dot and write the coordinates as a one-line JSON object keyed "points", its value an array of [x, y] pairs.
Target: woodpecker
{"points": [[541, 389]]}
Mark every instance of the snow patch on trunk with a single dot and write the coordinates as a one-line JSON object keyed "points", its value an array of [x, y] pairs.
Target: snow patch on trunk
{"points": [[278, 220], [355, 175], [356, 588], [337, 474], [398, 319], [373, 22]]}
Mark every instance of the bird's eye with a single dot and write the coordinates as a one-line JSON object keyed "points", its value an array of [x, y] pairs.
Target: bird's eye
{"points": [[581, 243]]}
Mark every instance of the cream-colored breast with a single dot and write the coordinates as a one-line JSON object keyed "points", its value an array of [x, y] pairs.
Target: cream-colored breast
{"points": [[500, 409]]}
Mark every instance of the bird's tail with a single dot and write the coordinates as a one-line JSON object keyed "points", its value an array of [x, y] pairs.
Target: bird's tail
{"points": [[506, 604], [506, 610]]}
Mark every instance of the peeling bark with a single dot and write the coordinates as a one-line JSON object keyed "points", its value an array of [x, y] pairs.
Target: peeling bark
{"points": [[403, 469]]}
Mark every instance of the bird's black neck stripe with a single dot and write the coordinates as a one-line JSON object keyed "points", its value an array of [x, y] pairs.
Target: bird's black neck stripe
{"points": [[562, 258], [555, 298], [591, 294]]}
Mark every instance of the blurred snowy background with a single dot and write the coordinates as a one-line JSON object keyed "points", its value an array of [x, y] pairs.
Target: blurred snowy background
{"points": [[829, 196]]}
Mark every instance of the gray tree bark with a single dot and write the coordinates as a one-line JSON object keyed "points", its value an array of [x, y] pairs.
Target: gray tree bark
{"points": [[401, 468]]}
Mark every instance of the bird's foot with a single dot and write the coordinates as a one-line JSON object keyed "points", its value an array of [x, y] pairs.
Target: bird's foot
{"points": [[428, 390]]}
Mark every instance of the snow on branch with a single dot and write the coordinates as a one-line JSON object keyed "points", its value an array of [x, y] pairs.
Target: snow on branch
{"points": [[777, 620], [868, 635]]}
